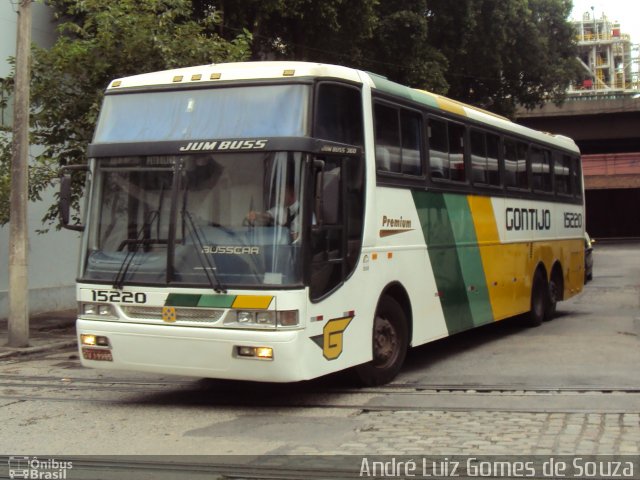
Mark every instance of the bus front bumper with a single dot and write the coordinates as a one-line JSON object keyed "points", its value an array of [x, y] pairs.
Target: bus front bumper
{"points": [[197, 352]]}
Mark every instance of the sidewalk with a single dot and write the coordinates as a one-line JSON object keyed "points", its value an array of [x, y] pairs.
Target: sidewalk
{"points": [[47, 331]]}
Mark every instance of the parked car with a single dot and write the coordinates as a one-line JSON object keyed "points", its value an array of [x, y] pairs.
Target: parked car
{"points": [[588, 257]]}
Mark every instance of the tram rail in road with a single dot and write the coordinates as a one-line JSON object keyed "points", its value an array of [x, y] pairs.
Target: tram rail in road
{"points": [[505, 397]]}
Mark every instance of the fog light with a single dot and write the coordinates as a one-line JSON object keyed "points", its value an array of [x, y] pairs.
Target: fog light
{"points": [[86, 339], [102, 341], [264, 352], [246, 351]]}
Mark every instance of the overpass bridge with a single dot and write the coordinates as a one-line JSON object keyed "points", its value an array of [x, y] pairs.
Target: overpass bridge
{"points": [[606, 127]]}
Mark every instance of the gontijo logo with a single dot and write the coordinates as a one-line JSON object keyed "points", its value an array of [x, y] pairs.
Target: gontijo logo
{"points": [[331, 340]]}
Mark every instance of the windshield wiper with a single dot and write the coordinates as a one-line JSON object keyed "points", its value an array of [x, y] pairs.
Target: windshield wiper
{"points": [[206, 262], [118, 281]]}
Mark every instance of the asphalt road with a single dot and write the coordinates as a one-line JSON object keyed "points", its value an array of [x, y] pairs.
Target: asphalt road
{"points": [[569, 386], [594, 342]]}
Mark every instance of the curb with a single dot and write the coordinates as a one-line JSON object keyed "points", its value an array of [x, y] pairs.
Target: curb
{"points": [[14, 352]]}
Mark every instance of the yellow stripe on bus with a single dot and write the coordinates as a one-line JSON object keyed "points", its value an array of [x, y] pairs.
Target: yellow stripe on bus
{"points": [[509, 267], [252, 301], [506, 286]]}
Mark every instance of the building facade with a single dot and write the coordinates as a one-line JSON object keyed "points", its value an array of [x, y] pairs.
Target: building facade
{"points": [[52, 256], [607, 55], [602, 114]]}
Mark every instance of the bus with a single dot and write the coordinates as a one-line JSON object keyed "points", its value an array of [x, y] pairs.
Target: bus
{"points": [[416, 217]]}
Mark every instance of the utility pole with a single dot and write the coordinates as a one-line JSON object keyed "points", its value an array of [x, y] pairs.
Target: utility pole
{"points": [[18, 236]]}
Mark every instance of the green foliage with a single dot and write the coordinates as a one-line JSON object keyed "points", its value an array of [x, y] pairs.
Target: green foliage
{"points": [[100, 41], [387, 37], [491, 53], [5, 176], [505, 52], [402, 50]]}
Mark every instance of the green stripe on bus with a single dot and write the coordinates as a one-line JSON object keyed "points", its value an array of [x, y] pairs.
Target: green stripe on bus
{"points": [[202, 301], [469, 257], [216, 301], [181, 300], [445, 262], [388, 86]]}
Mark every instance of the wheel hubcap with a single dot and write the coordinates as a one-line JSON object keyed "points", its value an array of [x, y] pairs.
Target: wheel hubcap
{"points": [[385, 342]]}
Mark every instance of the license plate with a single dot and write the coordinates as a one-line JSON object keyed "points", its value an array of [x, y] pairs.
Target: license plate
{"points": [[97, 354]]}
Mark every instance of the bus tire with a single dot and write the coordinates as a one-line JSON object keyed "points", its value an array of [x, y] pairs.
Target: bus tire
{"points": [[555, 294], [390, 341], [539, 300]]}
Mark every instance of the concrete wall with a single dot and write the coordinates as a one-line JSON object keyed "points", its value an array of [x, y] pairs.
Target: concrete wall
{"points": [[52, 256]]}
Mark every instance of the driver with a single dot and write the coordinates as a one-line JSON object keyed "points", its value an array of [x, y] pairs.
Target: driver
{"points": [[286, 214]]}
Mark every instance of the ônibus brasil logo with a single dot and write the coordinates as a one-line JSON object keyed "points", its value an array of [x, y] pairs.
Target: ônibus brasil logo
{"points": [[34, 468]]}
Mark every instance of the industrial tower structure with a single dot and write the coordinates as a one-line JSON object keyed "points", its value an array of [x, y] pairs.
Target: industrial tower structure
{"points": [[609, 58]]}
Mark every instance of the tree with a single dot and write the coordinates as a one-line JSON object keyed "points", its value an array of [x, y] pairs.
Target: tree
{"points": [[400, 49], [100, 41], [505, 52], [389, 38], [494, 54]]}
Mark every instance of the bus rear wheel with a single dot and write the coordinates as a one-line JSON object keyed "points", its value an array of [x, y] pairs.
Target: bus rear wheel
{"points": [[390, 341], [555, 294], [539, 300]]}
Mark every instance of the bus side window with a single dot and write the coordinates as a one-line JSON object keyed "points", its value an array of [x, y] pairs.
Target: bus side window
{"points": [[522, 179], [438, 149], [493, 154], [576, 173], [411, 123], [339, 114], [510, 163], [515, 164], [541, 169], [479, 170], [562, 174], [456, 152], [387, 138], [398, 140]]}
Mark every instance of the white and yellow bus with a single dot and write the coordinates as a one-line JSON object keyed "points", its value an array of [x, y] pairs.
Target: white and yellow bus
{"points": [[279, 221]]}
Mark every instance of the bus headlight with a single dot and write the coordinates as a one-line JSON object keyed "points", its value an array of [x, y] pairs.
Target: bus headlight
{"points": [[262, 319], [266, 318], [252, 319], [102, 310], [244, 317], [89, 309]]}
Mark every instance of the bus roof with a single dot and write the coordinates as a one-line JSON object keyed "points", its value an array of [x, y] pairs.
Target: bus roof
{"points": [[285, 69]]}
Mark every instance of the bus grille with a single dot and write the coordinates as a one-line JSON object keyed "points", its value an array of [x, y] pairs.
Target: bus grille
{"points": [[185, 314]]}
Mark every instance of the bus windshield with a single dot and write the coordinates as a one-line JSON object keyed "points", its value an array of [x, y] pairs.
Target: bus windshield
{"points": [[229, 112], [225, 220]]}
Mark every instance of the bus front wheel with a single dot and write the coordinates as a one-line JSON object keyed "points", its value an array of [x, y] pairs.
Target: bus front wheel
{"points": [[390, 340]]}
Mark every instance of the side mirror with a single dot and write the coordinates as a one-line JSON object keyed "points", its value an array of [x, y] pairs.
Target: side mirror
{"points": [[64, 200]]}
